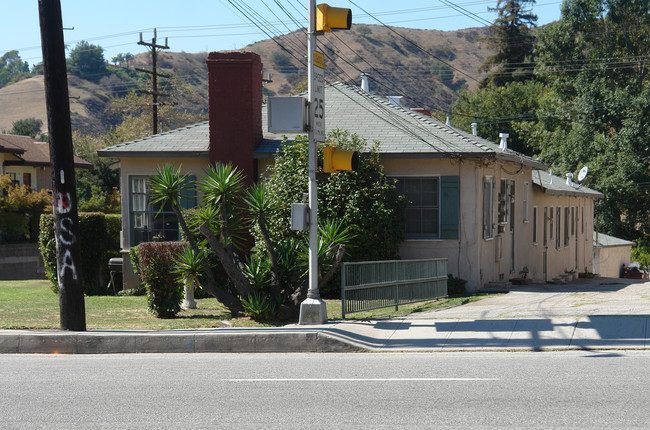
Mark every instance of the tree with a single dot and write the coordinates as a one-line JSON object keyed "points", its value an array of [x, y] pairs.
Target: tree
{"points": [[12, 68], [122, 58], [365, 200], [512, 108], [512, 39], [87, 61], [594, 61], [27, 127]]}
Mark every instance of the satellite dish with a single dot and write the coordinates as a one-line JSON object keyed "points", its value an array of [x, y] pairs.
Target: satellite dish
{"points": [[583, 173]]}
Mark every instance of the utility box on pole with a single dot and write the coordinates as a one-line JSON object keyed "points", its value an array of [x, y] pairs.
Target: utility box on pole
{"points": [[287, 115]]}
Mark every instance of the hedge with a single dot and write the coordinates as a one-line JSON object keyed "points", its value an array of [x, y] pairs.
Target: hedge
{"points": [[156, 264], [100, 241]]}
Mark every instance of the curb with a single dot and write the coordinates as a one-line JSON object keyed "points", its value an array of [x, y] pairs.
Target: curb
{"points": [[44, 342]]}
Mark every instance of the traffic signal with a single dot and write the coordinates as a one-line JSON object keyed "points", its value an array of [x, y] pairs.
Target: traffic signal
{"points": [[328, 18], [337, 160]]}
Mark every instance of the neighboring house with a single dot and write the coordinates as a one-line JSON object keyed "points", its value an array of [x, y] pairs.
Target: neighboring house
{"points": [[611, 254], [476, 203], [28, 162]]}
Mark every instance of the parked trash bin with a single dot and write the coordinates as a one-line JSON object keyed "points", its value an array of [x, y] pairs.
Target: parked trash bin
{"points": [[115, 269]]}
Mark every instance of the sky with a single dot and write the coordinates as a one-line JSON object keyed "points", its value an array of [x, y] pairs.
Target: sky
{"points": [[195, 26]]}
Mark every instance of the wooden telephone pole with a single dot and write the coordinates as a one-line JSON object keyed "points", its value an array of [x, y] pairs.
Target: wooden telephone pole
{"points": [[153, 48], [64, 191]]}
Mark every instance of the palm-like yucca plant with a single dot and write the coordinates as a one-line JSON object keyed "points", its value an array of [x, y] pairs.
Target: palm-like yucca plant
{"points": [[222, 184], [189, 264], [260, 208], [167, 186]]}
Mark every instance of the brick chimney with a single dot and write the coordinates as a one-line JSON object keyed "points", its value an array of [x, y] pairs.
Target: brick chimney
{"points": [[235, 102]]}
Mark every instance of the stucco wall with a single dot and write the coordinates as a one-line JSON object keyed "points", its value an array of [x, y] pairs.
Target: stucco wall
{"points": [[471, 257], [577, 255], [609, 260]]}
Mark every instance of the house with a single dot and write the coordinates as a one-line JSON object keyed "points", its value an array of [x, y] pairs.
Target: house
{"points": [[490, 211], [27, 162], [611, 254]]}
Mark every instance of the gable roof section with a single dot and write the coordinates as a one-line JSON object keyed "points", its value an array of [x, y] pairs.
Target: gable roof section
{"points": [[559, 186], [34, 153]]}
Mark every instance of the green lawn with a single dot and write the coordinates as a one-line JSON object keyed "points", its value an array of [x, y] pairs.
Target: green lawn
{"points": [[31, 304]]}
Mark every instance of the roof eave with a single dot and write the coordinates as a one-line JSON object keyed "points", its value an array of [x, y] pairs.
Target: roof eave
{"points": [[152, 154]]}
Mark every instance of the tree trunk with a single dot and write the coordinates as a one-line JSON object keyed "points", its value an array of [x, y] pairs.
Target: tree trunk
{"points": [[273, 256], [224, 297], [243, 287]]}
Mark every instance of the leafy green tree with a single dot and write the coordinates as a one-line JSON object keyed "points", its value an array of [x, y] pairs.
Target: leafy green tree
{"points": [[87, 61], [594, 60], [122, 58], [512, 108], [12, 68], [365, 200], [512, 38], [27, 127]]}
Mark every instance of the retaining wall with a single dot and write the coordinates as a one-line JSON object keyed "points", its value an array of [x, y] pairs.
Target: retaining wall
{"points": [[21, 261]]}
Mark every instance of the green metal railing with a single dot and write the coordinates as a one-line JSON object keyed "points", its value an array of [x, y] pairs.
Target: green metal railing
{"points": [[380, 284]]}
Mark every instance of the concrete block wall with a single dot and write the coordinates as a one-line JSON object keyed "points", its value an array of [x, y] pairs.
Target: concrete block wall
{"points": [[21, 261]]}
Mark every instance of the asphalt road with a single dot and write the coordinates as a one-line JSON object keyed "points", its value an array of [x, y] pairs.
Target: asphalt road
{"points": [[477, 390]]}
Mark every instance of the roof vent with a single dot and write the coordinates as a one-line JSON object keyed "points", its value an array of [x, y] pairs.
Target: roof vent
{"points": [[569, 179], [395, 100], [447, 123], [504, 141], [475, 129], [364, 83], [550, 172]]}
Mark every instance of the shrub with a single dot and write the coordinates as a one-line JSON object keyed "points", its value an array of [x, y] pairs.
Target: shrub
{"points": [[99, 241], [20, 209], [157, 262], [455, 286]]}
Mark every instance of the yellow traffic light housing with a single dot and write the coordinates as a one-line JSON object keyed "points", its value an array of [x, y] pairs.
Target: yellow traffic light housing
{"points": [[337, 160], [328, 18]]}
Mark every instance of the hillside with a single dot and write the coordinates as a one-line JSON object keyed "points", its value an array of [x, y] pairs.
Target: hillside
{"points": [[395, 65]]}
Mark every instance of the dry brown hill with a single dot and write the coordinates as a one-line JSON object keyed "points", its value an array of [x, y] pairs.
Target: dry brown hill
{"points": [[402, 61]]}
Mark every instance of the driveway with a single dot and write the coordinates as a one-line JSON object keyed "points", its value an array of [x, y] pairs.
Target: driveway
{"points": [[583, 297]]}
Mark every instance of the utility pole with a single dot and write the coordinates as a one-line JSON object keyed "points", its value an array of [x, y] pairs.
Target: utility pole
{"points": [[313, 310], [64, 191], [153, 48]]}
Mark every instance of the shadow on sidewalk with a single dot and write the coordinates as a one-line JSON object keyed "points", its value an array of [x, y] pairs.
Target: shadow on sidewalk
{"points": [[590, 332]]}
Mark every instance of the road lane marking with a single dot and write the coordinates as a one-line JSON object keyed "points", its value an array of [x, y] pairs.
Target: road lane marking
{"points": [[359, 379]]}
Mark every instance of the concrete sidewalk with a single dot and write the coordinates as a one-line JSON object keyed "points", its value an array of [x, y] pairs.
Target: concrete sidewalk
{"points": [[594, 314]]}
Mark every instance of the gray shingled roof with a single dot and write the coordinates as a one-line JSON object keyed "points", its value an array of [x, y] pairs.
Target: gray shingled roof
{"points": [[401, 132], [190, 141], [602, 240], [560, 187]]}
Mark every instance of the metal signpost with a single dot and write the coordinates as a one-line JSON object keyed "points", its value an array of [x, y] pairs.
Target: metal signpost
{"points": [[313, 310]]}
